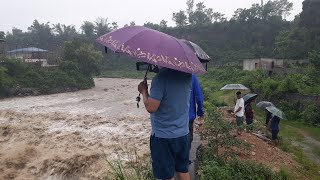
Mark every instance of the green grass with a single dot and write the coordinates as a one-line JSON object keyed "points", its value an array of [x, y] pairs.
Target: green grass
{"points": [[316, 151], [308, 168], [289, 135], [133, 168], [314, 132]]}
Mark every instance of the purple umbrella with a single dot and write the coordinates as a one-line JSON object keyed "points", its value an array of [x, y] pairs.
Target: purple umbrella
{"points": [[153, 47]]}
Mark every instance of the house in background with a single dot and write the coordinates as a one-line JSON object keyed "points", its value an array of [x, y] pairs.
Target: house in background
{"points": [[262, 63], [30, 55], [272, 65]]}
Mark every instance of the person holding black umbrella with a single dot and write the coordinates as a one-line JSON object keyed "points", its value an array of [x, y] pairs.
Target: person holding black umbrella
{"points": [[249, 113]]}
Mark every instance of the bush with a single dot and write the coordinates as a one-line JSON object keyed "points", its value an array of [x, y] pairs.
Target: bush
{"points": [[5, 81], [16, 77], [311, 115], [215, 168]]}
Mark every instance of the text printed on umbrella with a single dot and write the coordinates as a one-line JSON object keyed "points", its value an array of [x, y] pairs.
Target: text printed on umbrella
{"points": [[120, 47]]}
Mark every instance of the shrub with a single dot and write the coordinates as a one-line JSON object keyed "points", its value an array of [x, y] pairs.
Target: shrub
{"points": [[311, 115]]}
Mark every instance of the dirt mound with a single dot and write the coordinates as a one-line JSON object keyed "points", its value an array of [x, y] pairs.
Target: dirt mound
{"points": [[267, 154], [262, 151]]}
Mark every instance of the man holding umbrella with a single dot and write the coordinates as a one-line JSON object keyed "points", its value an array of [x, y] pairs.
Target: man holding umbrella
{"points": [[239, 111], [273, 124], [168, 101], [168, 104]]}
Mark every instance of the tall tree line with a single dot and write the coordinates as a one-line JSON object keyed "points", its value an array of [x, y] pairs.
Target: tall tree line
{"points": [[258, 31]]}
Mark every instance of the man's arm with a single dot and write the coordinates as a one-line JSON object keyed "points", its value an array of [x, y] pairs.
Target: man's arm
{"points": [[239, 109], [151, 104]]}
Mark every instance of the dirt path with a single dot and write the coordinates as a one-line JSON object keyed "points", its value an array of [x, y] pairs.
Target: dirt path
{"points": [[64, 136]]}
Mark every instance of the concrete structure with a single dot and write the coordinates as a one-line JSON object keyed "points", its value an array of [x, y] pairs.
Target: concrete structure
{"points": [[262, 63], [289, 62], [30, 55]]}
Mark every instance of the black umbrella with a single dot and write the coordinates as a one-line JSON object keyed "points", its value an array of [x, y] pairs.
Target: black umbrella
{"points": [[202, 56], [277, 112], [264, 104], [249, 97]]}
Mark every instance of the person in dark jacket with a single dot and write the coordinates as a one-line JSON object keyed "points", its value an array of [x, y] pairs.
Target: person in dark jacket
{"points": [[274, 126], [249, 113], [268, 117], [196, 105]]}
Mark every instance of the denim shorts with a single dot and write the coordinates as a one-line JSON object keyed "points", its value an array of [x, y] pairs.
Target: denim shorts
{"points": [[169, 155], [239, 120]]}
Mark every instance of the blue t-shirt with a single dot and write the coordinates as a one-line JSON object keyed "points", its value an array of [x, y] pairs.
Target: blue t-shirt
{"points": [[172, 88]]}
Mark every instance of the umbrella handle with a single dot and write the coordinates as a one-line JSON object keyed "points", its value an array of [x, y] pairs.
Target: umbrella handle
{"points": [[138, 98]]}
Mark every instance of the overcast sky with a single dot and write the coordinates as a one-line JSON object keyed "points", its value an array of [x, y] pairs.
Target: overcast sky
{"points": [[21, 13]]}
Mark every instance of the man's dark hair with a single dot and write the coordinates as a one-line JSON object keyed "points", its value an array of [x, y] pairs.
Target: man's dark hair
{"points": [[238, 93]]}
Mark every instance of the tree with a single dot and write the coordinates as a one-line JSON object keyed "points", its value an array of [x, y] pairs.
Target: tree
{"points": [[65, 31], [190, 4], [314, 57], [250, 14], [132, 23], [200, 6], [199, 16], [180, 18], [314, 72], [84, 55], [310, 19], [218, 17], [88, 29], [114, 25], [102, 26], [163, 24], [152, 26], [1, 35], [293, 44], [310, 15], [279, 8], [41, 34]]}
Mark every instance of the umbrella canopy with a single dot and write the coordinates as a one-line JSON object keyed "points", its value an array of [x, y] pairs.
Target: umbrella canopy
{"points": [[277, 112], [153, 47], [234, 87], [202, 56], [264, 104], [249, 97]]}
